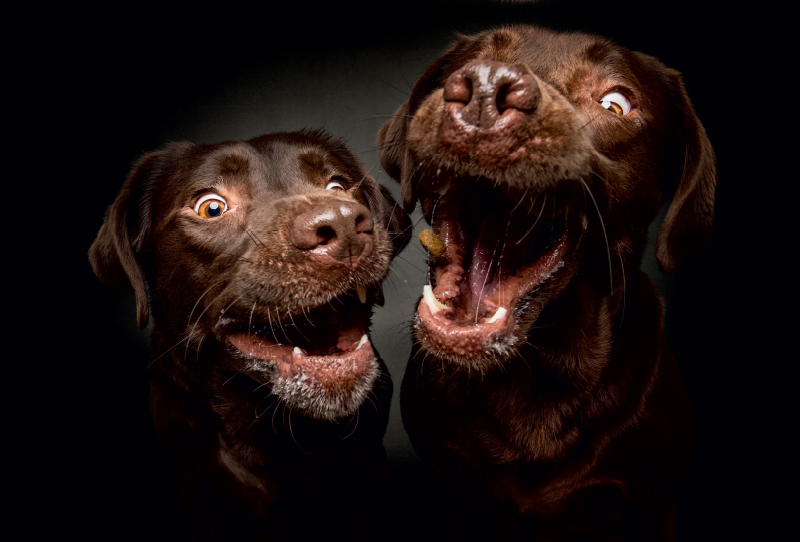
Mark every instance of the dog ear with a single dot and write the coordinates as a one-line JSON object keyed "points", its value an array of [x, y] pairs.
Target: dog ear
{"points": [[396, 220], [688, 226], [395, 158], [115, 253], [392, 138], [388, 212]]}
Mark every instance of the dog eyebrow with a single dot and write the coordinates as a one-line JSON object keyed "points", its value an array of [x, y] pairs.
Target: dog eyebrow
{"points": [[233, 164]]}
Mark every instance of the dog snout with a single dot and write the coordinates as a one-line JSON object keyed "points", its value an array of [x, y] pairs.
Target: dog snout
{"points": [[482, 93], [339, 230]]}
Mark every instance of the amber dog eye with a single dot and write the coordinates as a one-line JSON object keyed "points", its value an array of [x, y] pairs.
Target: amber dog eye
{"points": [[334, 185], [210, 206], [616, 102]]}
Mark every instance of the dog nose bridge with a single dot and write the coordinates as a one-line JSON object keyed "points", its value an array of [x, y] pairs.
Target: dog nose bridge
{"points": [[341, 230], [483, 92]]}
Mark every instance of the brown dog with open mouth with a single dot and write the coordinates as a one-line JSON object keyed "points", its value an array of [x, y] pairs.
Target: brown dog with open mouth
{"points": [[262, 259], [540, 387]]}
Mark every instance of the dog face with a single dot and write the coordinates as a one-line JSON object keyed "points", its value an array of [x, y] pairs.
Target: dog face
{"points": [[538, 157], [262, 257]]}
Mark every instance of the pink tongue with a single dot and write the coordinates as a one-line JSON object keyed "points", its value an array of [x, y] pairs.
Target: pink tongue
{"points": [[480, 272]]}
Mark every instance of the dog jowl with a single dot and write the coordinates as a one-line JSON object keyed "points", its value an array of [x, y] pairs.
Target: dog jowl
{"points": [[540, 386], [262, 260]]}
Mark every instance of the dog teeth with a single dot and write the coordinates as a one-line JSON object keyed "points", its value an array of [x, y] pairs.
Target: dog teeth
{"points": [[499, 315], [363, 341], [297, 351], [362, 293], [433, 304]]}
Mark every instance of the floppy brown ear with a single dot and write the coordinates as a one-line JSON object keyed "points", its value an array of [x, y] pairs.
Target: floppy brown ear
{"points": [[688, 226], [388, 212], [395, 158], [392, 147], [396, 220], [114, 253]]}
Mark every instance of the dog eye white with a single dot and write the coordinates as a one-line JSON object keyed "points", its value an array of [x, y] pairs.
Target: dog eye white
{"points": [[334, 185], [616, 102], [210, 206]]}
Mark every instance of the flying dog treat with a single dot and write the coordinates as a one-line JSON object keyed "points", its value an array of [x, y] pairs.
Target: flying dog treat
{"points": [[431, 242]]}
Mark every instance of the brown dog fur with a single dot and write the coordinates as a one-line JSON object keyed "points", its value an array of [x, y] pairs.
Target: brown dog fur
{"points": [[269, 443], [564, 418]]}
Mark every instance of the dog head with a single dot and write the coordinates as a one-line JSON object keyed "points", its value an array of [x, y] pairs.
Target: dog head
{"points": [[262, 257], [538, 156]]}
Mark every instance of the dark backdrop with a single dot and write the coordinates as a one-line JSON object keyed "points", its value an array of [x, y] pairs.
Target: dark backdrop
{"points": [[107, 86]]}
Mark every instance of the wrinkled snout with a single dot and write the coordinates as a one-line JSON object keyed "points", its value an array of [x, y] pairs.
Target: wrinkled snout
{"points": [[336, 230], [488, 94]]}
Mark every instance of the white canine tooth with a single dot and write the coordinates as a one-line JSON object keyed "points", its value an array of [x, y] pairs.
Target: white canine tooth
{"points": [[363, 340], [499, 315], [433, 304], [362, 293], [297, 350]]}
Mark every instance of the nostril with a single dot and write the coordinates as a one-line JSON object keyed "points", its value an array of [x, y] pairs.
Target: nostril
{"points": [[364, 224], [502, 94], [326, 234], [522, 94], [458, 88]]}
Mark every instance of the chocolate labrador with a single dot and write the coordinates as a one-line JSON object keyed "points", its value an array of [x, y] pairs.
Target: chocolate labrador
{"points": [[540, 387], [262, 260]]}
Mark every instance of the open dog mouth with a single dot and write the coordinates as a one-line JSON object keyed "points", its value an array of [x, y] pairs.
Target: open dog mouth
{"points": [[490, 252], [321, 363]]}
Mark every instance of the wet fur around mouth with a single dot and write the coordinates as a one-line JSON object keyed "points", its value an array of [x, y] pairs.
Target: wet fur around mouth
{"points": [[540, 387], [259, 263]]}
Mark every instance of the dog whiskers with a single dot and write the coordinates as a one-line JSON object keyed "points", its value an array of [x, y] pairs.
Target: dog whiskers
{"points": [[271, 327], [534, 222], [231, 377], [191, 313], [605, 235], [223, 311], [197, 321], [168, 350], [624, 288], [520, 200], [405, 282], [253, 237], [250, 321], [291, 432], [358, 417], [274, 411], [295, 327]]}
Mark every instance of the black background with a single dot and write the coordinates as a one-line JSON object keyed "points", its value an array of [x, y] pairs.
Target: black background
{"points": [[95, 89]]}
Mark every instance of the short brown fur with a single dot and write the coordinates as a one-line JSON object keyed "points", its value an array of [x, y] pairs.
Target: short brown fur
{"points": [[571, 422], [254, 464]]}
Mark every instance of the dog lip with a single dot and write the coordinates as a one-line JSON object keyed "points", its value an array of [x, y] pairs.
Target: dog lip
{"points": [[459, 287], [438, 326], [462, 342], [291, 360]]}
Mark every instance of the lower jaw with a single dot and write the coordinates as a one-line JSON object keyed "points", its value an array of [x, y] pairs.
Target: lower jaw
{"points": [[478, 345], [326, 387]]}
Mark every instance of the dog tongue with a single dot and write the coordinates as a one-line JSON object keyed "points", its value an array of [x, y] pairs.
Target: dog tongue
{"points": [[479, 271]]}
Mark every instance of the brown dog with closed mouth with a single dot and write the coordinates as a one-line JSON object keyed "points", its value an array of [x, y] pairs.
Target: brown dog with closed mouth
{"points": [[262, 260], [540, 387]]}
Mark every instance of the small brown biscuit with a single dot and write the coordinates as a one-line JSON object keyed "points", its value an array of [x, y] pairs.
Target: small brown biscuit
{"points": [[432, 243]]}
